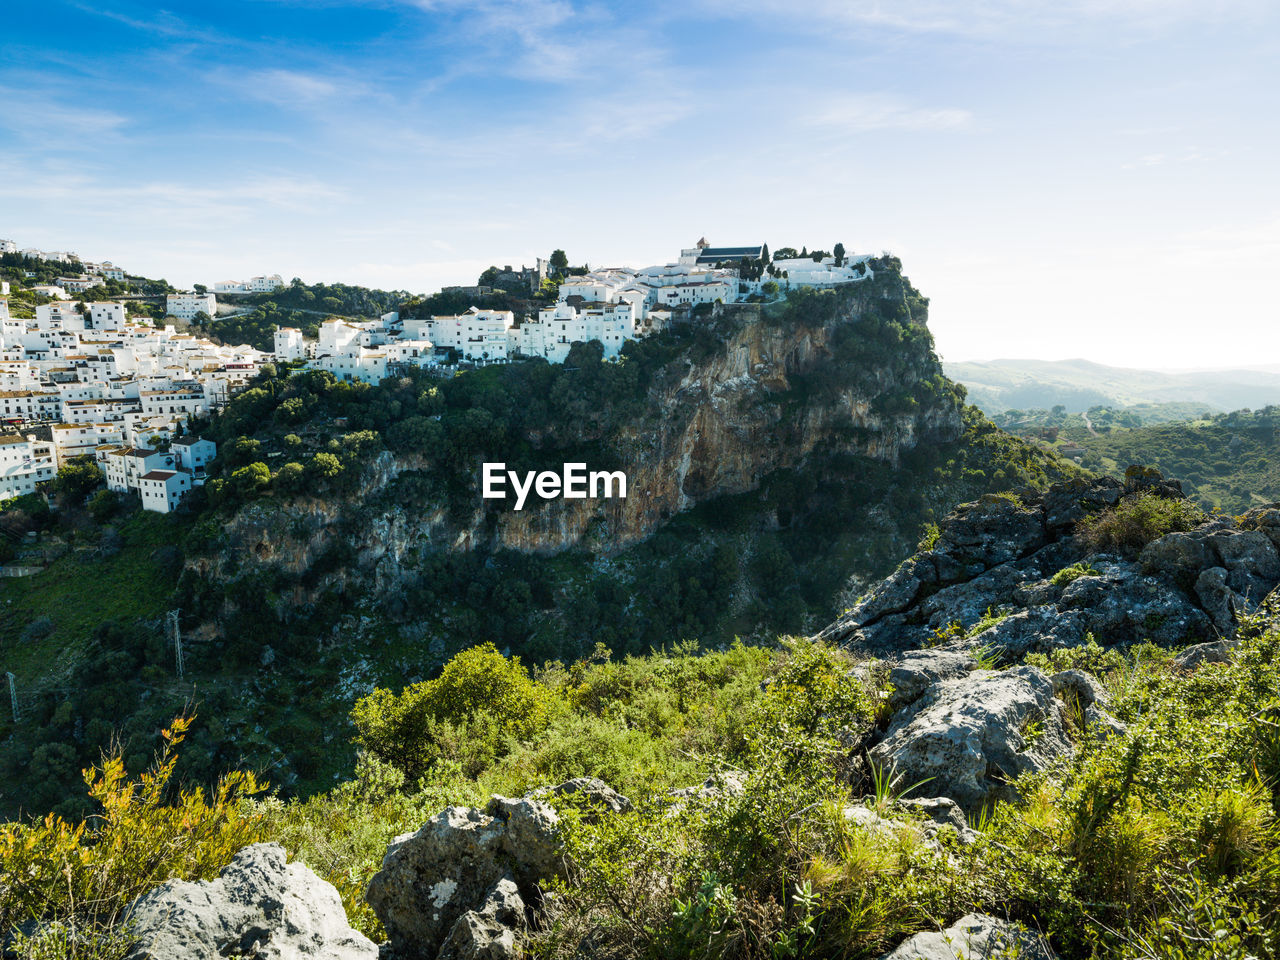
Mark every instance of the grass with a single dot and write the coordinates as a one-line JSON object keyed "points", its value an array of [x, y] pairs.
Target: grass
{"points": [[78, 595]]}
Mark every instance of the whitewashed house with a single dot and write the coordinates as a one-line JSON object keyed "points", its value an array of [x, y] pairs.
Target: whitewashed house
{"points": [[24, 462], [185, 306]]}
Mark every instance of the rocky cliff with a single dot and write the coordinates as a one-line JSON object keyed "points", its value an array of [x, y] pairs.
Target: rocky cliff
{"points": [[749, 391], [1117, 561]]}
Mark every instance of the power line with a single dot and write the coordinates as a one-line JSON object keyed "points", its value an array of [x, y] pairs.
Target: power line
{"points": [[176, 632], [13, 696]]}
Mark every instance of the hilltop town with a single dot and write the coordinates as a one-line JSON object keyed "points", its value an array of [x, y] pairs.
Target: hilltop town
{"points": [[124, 382]]}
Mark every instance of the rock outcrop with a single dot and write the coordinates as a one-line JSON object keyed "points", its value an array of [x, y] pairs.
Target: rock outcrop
{"points": [[464, 886], [975, 936], [1019, 560], [258, 907], [968, 737]]}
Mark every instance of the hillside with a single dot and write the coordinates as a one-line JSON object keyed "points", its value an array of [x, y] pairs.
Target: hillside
{"points": [[779, 458], [1000, 385], [1228, 462], [1048, 734]]}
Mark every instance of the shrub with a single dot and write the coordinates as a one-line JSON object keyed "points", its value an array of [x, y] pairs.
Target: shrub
{"points": [[147, 832], [479, 701], [1137, 520], [1073, 573]]}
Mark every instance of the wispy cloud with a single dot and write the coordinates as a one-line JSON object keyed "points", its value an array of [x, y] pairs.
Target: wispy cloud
{"points": [[34, 115], [871, 112], [988, 18]]}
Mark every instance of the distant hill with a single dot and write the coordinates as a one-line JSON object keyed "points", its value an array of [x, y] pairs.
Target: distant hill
{"points": [[1000, 385]]}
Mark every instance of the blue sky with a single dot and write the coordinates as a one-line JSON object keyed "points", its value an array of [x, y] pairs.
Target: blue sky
{"points": [[1074, 178]]}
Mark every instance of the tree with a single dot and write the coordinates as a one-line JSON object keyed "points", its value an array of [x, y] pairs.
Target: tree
{"points": [[559, 262], [77, 478], [289, 478], [200, 288], [838, 251], [249, 480], [764, 254], [324, 466]]}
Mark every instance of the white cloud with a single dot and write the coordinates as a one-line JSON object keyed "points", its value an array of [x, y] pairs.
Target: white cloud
{"points": [[1049, 20], [862, 114]]}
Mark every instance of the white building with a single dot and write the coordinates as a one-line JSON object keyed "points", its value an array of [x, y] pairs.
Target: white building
{"points": [[78, 284], [289, 344], [126, 466], [52, 291], [185, 306], [163, 490], [194, 455], [82, 439], [8, 246], [478, 335], [24, 462], [265, 284]]}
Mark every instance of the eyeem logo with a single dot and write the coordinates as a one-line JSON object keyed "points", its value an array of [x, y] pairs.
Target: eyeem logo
{"points": [[573, 483]]}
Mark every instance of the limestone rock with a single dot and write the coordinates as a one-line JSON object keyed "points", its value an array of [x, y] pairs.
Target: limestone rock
{"points": [[595, 792], [1082, 686], [1219, 651], [258, 906], [430, 878], [975, 936], [970, 737], [913, 672]]}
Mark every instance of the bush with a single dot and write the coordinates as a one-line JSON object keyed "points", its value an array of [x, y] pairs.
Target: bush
{"points": [[147, 832], [1137, 520], [479, 701]]}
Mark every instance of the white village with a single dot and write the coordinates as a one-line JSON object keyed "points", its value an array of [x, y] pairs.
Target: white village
{"points": [[85, 379]]}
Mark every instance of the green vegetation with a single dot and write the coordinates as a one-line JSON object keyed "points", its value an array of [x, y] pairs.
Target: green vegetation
{"points": [[1137, 520], [144, 832], [271, 620], [1151, 843], [1229, 462]]}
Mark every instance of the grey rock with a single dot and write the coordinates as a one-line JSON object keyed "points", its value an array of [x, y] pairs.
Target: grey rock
{"points": [[1083, 687], [975, 936], [1039, 630], [1218, 651], [1251, 560], [531, 838], [258, 906], [1265, 520], [595, 792], [970, 737], [944, 815], [430, 878], [991, 531], [1177, 554], [1102, 724], [1217, 599], [913, 672], [490, 933], [1067, 503], [729, 783]]}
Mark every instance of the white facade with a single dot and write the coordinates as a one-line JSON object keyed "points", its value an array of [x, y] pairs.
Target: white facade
{"points": [[163, 490], [24, 462], [194, 455], [479, 335], [78, 284], [8, 246], [82, 439], [265, 284], [289, 344], [185, 306]]}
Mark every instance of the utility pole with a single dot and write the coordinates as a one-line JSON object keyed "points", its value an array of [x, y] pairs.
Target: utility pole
{"points": [[13, 696], [176, 632]]}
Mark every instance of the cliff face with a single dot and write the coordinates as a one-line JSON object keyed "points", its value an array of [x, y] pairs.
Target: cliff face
{"points": [[751, 394]]}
